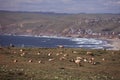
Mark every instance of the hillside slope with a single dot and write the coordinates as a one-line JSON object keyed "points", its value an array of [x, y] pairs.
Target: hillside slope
{"points": [[38, 23]]}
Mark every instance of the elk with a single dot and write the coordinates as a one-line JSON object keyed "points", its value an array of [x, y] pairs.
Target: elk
{"points": [[30, 61], [15, 60], [78, 62]]}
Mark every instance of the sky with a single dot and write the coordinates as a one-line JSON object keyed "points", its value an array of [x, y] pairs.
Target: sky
{"points": [[62, 6]]}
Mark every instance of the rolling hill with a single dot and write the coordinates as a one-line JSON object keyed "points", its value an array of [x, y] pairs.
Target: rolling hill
{"points": [[49, 23]]}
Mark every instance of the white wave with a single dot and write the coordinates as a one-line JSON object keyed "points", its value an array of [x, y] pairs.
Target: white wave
{"points": [[56, 37], [87, 41]]}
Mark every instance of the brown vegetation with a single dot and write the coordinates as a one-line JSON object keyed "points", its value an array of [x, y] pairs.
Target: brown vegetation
{"points": [[59, 24], [104, 65]]}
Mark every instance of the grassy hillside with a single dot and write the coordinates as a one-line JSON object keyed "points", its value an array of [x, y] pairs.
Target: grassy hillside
{"points": [[57, 68], [53, 23]]}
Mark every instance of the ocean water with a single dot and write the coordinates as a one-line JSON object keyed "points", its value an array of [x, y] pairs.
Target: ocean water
{"points": [[51, 42]]}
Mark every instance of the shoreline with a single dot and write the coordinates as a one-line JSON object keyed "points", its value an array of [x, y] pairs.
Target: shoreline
{"points": [[114, 43]]}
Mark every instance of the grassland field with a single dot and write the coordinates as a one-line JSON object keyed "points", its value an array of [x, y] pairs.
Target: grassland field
{"points": [[56, 64]]}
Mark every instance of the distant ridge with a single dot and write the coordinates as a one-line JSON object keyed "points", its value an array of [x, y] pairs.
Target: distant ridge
{"points": [[41, 12], [37, 12]]}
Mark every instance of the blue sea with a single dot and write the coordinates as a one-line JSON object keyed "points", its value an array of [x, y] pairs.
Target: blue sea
{"points": [[52, 42]]}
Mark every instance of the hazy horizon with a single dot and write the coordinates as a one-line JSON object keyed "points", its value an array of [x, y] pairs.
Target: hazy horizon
{"points": [[62, 6]]}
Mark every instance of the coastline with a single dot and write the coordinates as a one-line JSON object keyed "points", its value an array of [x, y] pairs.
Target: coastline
{"points": [[114, 43]]}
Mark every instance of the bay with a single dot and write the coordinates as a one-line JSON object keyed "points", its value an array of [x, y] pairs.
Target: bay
{"points": [[52, 42]]}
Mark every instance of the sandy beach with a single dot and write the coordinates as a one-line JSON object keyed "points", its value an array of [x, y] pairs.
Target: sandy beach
{"points": [[115, 43]]}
